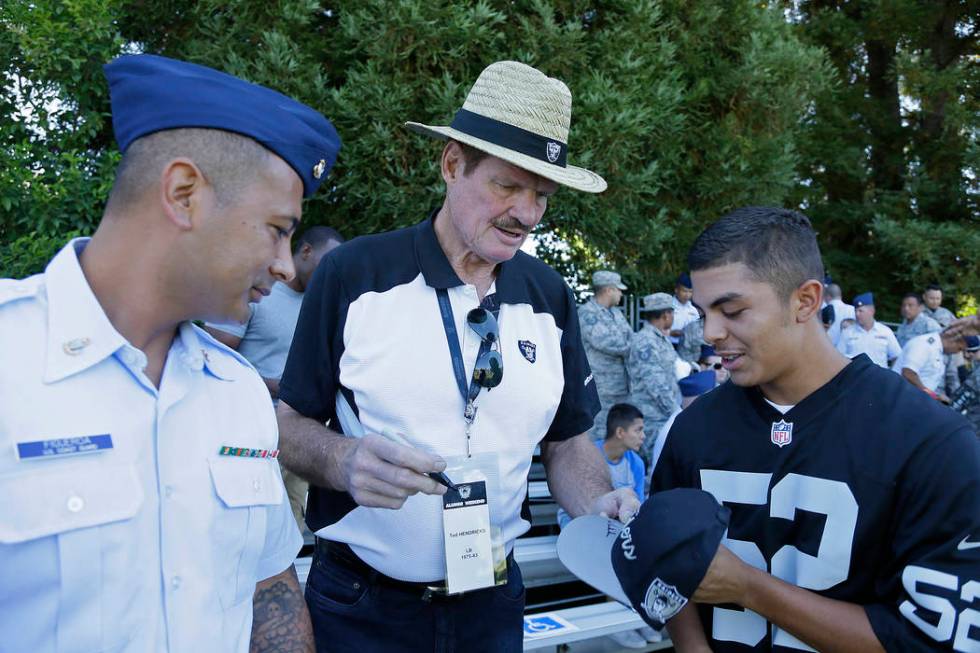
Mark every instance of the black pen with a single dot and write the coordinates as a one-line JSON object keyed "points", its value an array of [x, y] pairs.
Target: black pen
{"points": [[438, 477]]}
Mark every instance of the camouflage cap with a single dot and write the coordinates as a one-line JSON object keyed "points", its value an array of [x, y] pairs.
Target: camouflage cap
{"points": [[658, 301], [607, 278]]}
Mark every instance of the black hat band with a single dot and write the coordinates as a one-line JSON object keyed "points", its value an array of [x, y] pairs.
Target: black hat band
{"points": [[513, 138]]}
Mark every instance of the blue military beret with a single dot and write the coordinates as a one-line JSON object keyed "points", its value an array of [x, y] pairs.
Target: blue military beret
{"points": [[684, 279], [864, 299], [707, 350], [972, 343], [697, 384], [151, 94]]}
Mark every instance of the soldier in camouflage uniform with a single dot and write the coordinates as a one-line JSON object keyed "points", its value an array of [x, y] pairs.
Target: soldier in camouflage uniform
{"points": [[606, 335], [651, 369], [915, 322], [966, 399], [693, 337], [933, 297]]}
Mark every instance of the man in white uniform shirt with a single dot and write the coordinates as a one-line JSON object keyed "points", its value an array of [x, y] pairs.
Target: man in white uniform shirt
{"points": [[685, 311], [143, 509], [923, 362], [868, 336]]}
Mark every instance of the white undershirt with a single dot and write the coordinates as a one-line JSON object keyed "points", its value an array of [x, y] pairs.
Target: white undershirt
{"points": [[782, 408]]}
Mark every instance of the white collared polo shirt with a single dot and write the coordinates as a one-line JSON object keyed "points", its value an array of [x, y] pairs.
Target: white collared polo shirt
{"points": [[371, 328], [122, 527]]}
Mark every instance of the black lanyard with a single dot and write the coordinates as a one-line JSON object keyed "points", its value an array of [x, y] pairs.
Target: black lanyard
{"points": [[459, 368]]}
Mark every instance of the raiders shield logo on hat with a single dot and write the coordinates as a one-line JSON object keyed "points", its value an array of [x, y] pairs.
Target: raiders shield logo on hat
{"points": [[529, 350], [554, 150], [662, 601]]}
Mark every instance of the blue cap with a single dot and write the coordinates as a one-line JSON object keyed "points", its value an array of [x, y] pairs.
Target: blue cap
{"points": [[697, 384], [684, 279], [864, 299], [707, 350], [972, 343], [151, 93]]}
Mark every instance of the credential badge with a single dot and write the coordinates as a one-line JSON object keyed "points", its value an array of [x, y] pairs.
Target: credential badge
{"points": [[529, 350], [662, 601], [554, 149], [782, 433]]}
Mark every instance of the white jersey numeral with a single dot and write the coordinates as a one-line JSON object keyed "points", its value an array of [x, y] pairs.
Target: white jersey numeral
{"points": [[828, 568], [912, 578]]}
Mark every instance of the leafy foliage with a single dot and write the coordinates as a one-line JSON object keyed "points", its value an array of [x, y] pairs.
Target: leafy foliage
{"points": [[689, 108]]}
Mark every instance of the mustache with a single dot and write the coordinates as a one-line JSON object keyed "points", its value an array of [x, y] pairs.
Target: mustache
{"points": [[512, 225]]}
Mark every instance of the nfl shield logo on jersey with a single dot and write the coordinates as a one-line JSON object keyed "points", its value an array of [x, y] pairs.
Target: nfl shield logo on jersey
{"points": [[529, 350], [782, 433]]}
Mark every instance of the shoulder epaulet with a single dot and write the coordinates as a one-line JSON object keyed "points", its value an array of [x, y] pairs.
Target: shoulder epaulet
{"points": [[13, 289]]}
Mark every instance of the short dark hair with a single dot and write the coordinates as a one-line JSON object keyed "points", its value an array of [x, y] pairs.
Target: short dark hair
{"points": [[229, 162], [933, 286], [654, 315], [621, 416], [471, 157], [914, 295], [317, 236], [778, 245]]}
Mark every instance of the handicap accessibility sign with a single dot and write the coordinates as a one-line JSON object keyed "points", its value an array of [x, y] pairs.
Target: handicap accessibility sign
{"points": [[547, 624]]}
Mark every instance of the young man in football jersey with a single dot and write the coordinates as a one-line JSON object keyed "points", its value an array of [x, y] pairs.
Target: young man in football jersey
{"points": [[855, 498]]}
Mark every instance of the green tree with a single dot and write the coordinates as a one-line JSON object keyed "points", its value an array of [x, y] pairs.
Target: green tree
{"points": [[889, 156], [56, 148], [688, 108]]}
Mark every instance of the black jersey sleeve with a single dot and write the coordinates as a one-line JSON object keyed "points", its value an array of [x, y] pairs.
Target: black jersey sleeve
{"points": [[933, 585]]}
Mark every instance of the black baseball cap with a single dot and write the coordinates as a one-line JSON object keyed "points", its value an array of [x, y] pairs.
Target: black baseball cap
{"points": [[656, 561]]}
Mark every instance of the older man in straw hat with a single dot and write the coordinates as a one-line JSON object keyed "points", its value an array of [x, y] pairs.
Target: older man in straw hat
{"points": [[452, 355]]}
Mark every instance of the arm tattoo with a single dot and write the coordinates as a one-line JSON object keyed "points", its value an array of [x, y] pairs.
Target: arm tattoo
{"points": [[280, 620]]}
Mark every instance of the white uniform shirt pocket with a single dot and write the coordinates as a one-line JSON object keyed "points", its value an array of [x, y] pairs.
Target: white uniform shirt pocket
{"points": [[246, 488], [70, 525]]}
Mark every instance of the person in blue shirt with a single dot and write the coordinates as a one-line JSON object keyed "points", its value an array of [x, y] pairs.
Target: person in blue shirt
{"points": [[620, 449]]}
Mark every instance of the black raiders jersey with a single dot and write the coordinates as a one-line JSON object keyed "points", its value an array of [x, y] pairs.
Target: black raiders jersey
{"points": [[867, 491]]}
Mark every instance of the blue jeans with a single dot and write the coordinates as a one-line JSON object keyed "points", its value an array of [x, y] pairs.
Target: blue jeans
{"points": [[352, 613]]}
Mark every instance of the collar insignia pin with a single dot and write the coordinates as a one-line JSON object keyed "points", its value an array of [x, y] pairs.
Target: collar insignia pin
{"points": [[75, 347]]}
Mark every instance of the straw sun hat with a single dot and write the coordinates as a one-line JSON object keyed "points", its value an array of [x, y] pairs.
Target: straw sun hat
{"points": [[518, 114]]}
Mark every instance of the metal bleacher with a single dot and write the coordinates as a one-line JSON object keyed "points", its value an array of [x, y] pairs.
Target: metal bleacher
{"points": [[554, 595]]}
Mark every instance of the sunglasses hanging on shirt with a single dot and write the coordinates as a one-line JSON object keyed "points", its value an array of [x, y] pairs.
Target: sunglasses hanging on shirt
{"points": [[488, 371]]}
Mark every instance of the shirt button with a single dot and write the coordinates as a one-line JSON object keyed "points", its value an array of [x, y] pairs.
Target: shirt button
{"points": [[75, 503], [175, 582], [256, 485], [168, 491]]}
